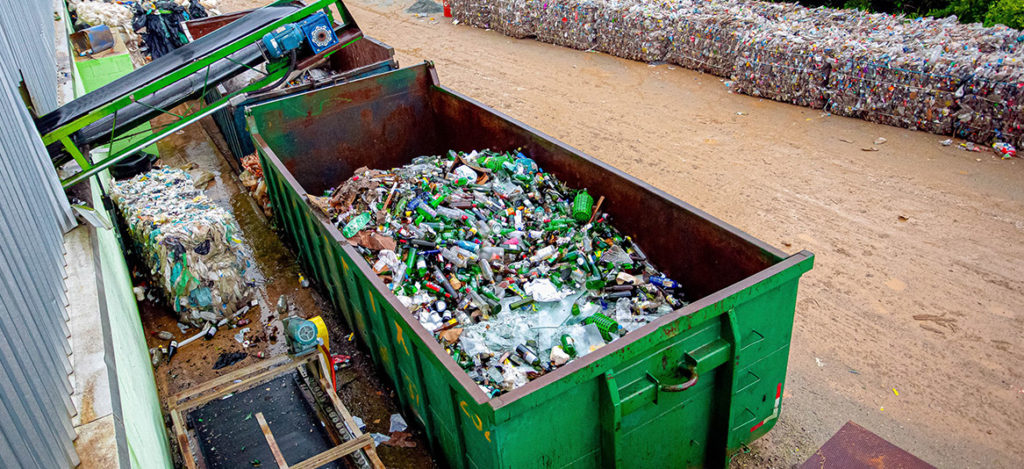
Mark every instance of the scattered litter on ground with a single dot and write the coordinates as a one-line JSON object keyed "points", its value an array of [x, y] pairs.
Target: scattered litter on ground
{"points": [[400, 440], [938, 319], [397, 423], [228, 359], [359, 424], [240, 335], [340, 362], [1005, 150], [379, 438]]}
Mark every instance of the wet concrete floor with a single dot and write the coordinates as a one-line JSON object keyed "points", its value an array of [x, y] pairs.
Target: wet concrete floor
{"points": [[276, 269]]}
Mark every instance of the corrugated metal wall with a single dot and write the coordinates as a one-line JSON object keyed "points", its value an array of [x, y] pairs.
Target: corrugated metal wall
{"points": [[35, 402]]}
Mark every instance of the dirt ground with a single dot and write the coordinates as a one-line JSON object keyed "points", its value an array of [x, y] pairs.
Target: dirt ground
{"points": [[910, 323]]}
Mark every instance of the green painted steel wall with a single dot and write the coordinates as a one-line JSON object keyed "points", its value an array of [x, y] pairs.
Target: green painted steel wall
{"points": [[93, 73], [144, 429], [610, 411]]}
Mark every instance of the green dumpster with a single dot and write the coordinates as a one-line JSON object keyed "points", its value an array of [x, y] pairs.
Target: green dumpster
{"points": [[686, 390]]}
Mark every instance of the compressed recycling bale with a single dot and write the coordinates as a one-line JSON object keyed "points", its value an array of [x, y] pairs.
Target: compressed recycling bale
{"points": [[569, 23], [784, 68], [636, 30], [708, 43], [192, 246], [991, 104], [902, 92], [477, 13], [518, 18], [907, 73]]}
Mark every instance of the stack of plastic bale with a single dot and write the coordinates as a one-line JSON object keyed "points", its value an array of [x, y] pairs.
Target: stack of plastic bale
{"points": [[569, 23], [872, 37], [477, 13], [789, 59], [991, 103], [192, 246], [636, 29], [517, 18], [901, 72], [709, 38]]}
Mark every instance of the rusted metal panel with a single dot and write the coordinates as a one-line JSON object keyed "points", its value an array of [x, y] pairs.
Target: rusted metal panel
{"points": [[855, 447]]}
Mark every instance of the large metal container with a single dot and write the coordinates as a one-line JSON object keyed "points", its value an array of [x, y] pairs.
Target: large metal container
{"points": [[626, 404]]}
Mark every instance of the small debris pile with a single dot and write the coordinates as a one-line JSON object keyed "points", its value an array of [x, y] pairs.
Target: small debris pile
{"points": [[252, 179], [192, 246], [515, 272], [927, 74], [159, 22], [118, 18]]}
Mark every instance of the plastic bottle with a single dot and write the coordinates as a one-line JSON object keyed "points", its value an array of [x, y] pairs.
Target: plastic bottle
{"points": [[569, 345], [582, 206], [605, 324]]}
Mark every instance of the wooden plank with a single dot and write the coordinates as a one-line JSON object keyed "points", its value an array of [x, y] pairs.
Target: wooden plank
{"points": [[270, 441], [338, 405], [371, 451], [341, 409], [179, 431], [335, 453], [246, 383], [237, 374]]}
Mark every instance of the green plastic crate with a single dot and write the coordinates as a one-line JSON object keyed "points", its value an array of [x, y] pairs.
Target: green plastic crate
{"points": [[620, 406]]}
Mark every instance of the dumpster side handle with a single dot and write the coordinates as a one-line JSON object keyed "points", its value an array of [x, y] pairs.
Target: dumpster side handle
{"points": [[694, 363], [703, 359]]}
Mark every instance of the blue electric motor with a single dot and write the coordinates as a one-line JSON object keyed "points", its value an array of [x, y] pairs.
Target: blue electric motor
{"points": [[315, 29], [301, 335], [318, 31], [280, 41]]}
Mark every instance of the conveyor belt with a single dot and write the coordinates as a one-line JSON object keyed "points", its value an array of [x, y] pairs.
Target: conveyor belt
{"points": [[163, 66]]}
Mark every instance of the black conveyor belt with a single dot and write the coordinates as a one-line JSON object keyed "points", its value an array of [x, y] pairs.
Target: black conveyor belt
{"points": [[163, 66]]}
